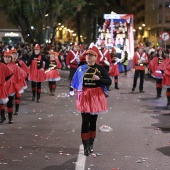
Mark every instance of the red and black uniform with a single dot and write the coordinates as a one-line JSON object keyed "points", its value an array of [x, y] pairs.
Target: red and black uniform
{"points": [[139, 62], [82, 57], [6, 73], [37, 73], [19, 76], [90, 100], [114, 70], [22, 65], [72, 61], [13, 85], [155, 66], [104, 59], [52, 74], [165, 68]]}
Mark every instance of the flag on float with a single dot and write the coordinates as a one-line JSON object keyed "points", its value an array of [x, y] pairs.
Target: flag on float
{"points": [[130, 39]]}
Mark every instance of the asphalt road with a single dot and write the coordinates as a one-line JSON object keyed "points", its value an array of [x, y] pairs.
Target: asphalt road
{"points": [[46, 135]]}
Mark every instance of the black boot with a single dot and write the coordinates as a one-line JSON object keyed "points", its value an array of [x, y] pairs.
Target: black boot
{"points": [[50, 88], [33, 95], [159, 90], [86, 147], [38, 97], [10, 118], [3, 118], [168, 99], [116, 86], [16, 109], [91, 141]]}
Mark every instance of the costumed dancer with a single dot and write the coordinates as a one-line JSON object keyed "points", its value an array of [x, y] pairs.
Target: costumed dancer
{"points": [[82, 55], [154, 67], [139, 62], [22, 65], [37, 71], [6, 74], [72, 61], [90, 80], [13, 85], [52, 73], [165, 69], [104, 57], [114, 70]]}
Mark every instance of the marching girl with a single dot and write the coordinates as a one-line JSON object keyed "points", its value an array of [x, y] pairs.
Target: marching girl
{"points": [[6, 73], [90, 80], [22, 65], [13, 85], [154, 66], [37, 71], [165, 69], [72, 61], [52, 73], [114, 70]]}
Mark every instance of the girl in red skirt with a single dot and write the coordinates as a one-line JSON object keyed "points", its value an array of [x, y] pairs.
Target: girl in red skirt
{"points": [[6, 73], [22, 65], [37, 71], [165, 69], [90, 80], [154, 66], [114, 69], [13, 85], [52, 74]]}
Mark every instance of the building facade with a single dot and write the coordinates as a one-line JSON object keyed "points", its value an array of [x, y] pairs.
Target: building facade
{"points": [[9, 33], [151, 18]]}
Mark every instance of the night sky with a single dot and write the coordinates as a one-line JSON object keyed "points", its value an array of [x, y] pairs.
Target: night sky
{"points": [[118, 2]]}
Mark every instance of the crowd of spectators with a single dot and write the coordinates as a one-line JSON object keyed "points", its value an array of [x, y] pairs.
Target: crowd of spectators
{"points": [[25, 50]]}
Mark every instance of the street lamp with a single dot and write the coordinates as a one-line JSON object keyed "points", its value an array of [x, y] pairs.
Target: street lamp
{"points": [[46, 29], [143, 26]]}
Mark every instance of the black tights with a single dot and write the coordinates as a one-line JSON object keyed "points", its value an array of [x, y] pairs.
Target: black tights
{"points": [[52, 83], [88, 122], [36, 85]]}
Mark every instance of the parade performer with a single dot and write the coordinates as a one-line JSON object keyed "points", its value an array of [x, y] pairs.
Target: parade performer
{"points": [[52, 73], [104, 59], [37, 71], [22, 65], [82, 55], [114, 70], [139, 62], [165, 69], [90, 80], [6, 73], [154, 67], [72, 61], [13, 85]]}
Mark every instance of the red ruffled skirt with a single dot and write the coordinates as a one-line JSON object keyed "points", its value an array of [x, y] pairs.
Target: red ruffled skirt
{"points": [[92, 100], [22, 83], [3, 94], [53, 75], [114, 70], [37, 75], [166, 81]]}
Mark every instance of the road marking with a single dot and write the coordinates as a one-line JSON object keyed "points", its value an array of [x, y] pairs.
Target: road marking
{"points": [[81, 159]]}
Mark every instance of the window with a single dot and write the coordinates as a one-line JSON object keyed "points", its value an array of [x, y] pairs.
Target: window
{"points": [[167, 4], [160, 19], [167, 19]]}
